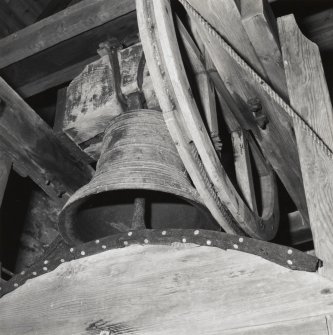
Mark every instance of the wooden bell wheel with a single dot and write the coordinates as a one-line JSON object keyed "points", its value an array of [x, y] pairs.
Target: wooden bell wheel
{"points": [[236, 213]]}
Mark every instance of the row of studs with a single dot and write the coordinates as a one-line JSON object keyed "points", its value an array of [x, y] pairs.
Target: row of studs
{"points": [[146, 241]]}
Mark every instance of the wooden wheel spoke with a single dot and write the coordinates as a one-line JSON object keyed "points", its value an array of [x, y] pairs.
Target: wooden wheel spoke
{"points": [[184, 120]]}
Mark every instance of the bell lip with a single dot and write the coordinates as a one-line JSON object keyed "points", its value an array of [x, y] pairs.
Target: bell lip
{"points": [[91, 189]]}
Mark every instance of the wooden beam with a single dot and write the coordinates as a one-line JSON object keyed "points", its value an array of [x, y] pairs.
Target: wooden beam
{"points": [[9, 22], [310, 98], [28, 140], [5, 167], [260, 25], [53, 79], [319, 29], [189, 289], [62, 26], [277, 140], [60, 63]]}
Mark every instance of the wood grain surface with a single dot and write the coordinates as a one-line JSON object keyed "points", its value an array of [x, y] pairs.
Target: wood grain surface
{"points": [[30, 142], [277, 140], [62, 26], [177, 289], [310, 98]]}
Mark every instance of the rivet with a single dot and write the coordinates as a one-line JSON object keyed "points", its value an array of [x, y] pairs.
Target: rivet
{"points": [[71, 249], [129, 233], [290, 251], [16, 285], [83, 253], [97, 241], [241, 240], [46, 262], [209, 242], [34, 273], [163, 232], [235, 246], [196, 232], [45, 268], [103, 246], [125, 243], [146, 241], [23, 273], [289, 262], [184, 240], [62, 260], [285, 62]]}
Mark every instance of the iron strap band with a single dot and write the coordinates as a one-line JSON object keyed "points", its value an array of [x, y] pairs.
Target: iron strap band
{"points": [[59, 252]]}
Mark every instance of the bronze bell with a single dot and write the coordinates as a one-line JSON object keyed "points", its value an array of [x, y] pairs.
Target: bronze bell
{"points": [[140, 182]]}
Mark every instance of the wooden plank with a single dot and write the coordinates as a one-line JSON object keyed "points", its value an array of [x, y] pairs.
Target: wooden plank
{"points": [[68, 23], [56, 65], [9, 22], [309, 326], [5, 167], [205, 92], [277, 140], [53, 79], [260, 25], [27, 10], [329, 320], [178, 289], [76, 151], [28, 140], [243, 168], [319, 29], [299, 231], [310, 98]]}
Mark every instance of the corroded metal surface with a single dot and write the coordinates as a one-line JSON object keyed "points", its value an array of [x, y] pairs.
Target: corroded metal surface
{"points": [[61, 252]]}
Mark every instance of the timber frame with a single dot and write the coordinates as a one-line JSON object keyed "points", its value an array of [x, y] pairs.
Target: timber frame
{"points": [[25, 137]]}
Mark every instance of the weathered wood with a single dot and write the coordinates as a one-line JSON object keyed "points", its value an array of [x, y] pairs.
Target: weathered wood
{"points": [[53, 79], [76, 151], [310, 98], [173, 119], [27, 139], [260, 25], [316, 325], [204, 89], [92, 99], [299, 231], [243, 168], [5, 166], [91, 103], [9, 22], [145, 289], [60, 27], [319, 29], [277, 140], [47, 67]]}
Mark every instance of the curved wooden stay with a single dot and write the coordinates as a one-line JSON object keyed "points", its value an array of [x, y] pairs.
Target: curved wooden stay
{"points": [[182, 116], [168, 282]]}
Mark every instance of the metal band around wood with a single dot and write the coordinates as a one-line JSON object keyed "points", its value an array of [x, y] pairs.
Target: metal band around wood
{"points": [[60, 252]]}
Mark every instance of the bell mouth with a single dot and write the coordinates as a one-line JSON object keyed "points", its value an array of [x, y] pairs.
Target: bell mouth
{"points": [[111, 212]]}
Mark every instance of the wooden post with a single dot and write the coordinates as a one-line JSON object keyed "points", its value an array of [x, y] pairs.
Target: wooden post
{"points": [[260, 25], [277, 140], [310, 98], [5, 166], [28, 140]]}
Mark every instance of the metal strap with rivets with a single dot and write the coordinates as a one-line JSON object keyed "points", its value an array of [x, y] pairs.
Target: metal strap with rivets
{"points": [[62, 252]]}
